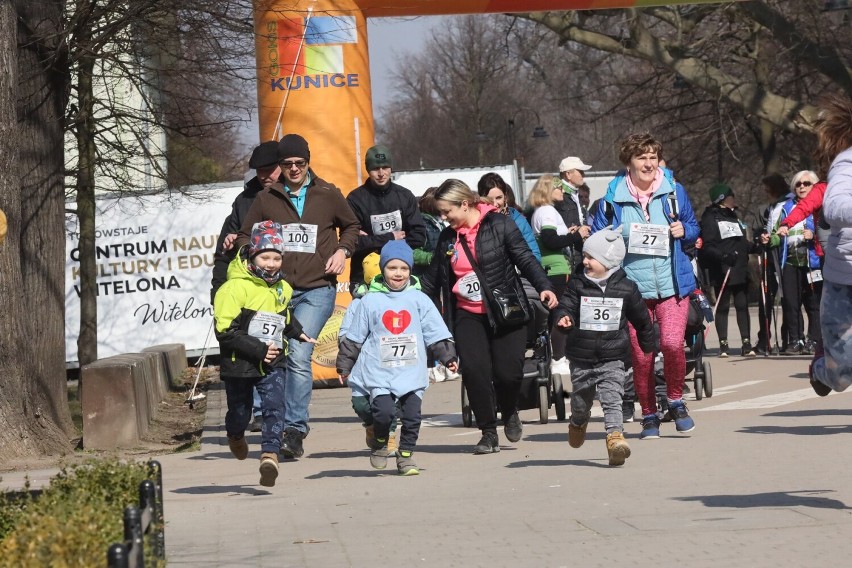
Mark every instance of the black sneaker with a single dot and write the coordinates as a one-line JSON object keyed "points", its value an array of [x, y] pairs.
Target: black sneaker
{"points": [[488, 444], [291, 443], [513, 429], [797, 348], [723, 349], [747, 351], [760, 349], [256, 424], [809, 347]]}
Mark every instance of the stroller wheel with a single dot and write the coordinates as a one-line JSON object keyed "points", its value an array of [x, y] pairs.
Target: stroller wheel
{"points": [[543, 403], [558, 396], [467, 413], [699, 386], [708, 380]]}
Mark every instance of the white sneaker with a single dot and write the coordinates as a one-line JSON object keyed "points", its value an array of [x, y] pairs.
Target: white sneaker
{"points": [[449, 375], [436, 375], [560, 367]]}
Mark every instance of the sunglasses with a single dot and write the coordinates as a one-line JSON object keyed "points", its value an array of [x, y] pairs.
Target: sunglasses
{"points": [[803, 184], [287, 164]]}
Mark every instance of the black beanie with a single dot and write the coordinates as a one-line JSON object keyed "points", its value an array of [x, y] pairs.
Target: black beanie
{"points": [[293, 146]]}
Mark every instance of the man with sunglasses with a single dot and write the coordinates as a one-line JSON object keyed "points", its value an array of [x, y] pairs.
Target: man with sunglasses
{"points": [[385, 210], [311, 212]]}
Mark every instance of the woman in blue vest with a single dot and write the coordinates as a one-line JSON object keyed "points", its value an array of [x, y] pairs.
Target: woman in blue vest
{"points": [[657, 220]]}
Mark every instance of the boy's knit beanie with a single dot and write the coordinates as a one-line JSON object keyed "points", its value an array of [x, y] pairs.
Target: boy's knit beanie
{"points": [[606, 246], [266, 235], [396, 250]]}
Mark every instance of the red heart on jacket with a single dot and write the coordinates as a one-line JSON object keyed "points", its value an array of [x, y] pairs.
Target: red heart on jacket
{"points": [[396, 322]]}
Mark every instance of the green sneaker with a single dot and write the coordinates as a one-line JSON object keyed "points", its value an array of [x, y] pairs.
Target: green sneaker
{"points": [[405, 463]]}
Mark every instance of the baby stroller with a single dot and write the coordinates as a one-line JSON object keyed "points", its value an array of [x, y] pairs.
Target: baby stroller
{"points": [[539, 388]]}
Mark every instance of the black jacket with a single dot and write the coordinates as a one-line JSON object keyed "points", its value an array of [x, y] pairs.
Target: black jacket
{"points": [[593, 347], [570, 213], [499, 248], [368, 200], [718, 254], [232, 224]]}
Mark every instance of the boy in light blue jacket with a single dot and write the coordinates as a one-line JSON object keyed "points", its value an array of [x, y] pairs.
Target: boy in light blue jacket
{"points": [[388, 337]]}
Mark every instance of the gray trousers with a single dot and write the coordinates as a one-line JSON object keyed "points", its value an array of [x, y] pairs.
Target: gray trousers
{"points": [[607, 379]]}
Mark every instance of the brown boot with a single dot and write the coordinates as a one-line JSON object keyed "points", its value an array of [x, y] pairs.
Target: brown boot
{"points": [[576, 434], [268, 469], [617, 448], [238, 447]]}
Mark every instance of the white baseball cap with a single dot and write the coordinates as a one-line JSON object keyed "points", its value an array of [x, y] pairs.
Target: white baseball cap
{"points": [[573, 163]]}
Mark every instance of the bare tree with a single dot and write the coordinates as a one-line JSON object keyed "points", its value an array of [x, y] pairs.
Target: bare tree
{"points": [[34, 417]]}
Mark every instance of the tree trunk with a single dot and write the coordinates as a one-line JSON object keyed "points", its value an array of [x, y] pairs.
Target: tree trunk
{"points": [[87, 342], [34, 417]]}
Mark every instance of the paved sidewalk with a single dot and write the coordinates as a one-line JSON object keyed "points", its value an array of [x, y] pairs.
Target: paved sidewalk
{"points": [[763, 481]]}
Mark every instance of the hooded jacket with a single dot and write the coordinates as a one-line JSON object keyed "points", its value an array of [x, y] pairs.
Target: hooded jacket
{"points": [[237, 302], [369, 201], [592, 347], [326, 208], [657, 277], [385, 342], [499, 248], [719, 253], [837, 211]]}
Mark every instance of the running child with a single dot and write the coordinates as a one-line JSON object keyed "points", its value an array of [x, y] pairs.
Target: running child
{"points": [[595, 308], [387, 339], [253, 323]]}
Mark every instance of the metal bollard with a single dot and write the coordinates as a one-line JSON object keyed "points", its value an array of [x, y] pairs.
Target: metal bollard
{"points": [[117, 556], [160, 538], [133, 535]]}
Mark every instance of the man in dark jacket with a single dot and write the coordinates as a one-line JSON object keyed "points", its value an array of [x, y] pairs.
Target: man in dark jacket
{"points": [[385, 210], [264, 161], [572, 211], [724, 254]]}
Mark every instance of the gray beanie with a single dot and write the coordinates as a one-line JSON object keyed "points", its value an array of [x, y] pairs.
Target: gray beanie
{"points": [[606, 246]]}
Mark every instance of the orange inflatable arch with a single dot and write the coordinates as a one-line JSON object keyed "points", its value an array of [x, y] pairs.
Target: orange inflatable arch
{"points": [[313, 79]]}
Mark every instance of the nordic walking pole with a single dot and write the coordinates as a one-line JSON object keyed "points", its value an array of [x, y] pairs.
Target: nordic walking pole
{"points": [[764, 289], [718, 298], [193, 397]]}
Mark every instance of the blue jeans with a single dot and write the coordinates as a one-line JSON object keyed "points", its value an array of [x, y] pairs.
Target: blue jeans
{"points": [[311, 308], [239, 394]]}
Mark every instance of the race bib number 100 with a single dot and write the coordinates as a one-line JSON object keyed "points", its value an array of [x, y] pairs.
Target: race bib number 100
{"points": [[600, 314], [648, 239], [267, 327], [398, 350], [300, 237]]}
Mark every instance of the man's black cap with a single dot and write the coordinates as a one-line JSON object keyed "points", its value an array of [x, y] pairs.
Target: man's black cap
{"points": [[264, 156]]}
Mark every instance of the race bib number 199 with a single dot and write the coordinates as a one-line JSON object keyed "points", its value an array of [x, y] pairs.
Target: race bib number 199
{"points": [[386, 223]]}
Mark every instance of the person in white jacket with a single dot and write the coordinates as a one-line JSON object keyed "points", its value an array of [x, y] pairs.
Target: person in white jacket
{"points": [[832, 369], [388, 336]]}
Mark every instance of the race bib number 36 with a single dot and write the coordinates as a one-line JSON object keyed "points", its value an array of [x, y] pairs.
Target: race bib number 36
{"points": [[268, 327], [648, 239], [300, 237], [386, 223], [398, 350], [600, 314]]}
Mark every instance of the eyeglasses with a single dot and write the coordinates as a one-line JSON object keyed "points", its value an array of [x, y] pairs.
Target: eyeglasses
{"points": [[287, 164], [803, 184]]}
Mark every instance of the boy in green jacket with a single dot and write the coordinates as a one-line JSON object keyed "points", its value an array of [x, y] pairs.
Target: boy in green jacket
{"points": [[253, 324]]}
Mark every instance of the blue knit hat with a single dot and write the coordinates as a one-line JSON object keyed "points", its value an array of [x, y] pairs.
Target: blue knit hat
{"points": [[396, 250]]}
